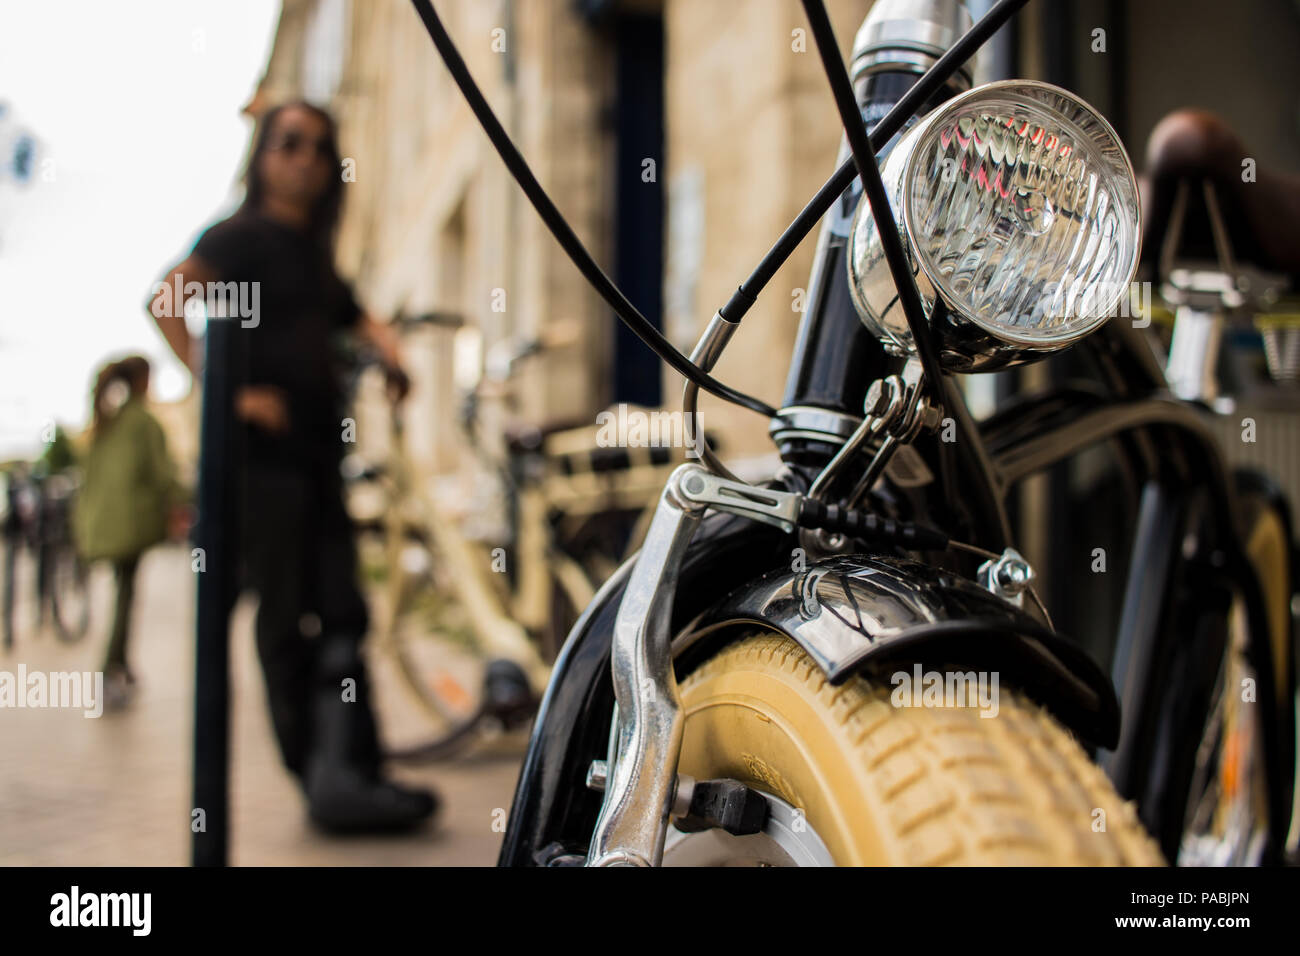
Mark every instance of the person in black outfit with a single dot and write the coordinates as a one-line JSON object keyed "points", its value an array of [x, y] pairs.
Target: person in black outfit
{"points": [[298, 549]]}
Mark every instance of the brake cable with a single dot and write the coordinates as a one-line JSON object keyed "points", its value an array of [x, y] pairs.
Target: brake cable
{"points": [[562, 231], [873, 188], [913, 100]]}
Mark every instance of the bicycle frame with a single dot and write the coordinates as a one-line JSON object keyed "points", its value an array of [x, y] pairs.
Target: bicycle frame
{"points": [[554, 810], [1164, 447]]}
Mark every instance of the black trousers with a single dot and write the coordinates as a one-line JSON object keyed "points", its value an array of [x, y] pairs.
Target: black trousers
{"points": [[124, 573], [300, 559]]}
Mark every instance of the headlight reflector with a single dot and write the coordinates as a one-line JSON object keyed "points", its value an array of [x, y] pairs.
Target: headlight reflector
{"points": [[1020, 210]]}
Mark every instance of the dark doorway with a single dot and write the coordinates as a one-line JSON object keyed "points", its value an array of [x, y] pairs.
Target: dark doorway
{"points": [[638, 125]]}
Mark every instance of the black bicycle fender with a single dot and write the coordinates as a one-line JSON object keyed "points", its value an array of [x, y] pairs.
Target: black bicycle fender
{"points": [[860, 614], [853, 614]]}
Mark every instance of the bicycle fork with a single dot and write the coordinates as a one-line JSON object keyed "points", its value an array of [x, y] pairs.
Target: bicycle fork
{"points": [[642, 785]]}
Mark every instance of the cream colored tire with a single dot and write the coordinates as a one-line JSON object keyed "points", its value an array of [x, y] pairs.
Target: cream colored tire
{"points": [[886, 785]]}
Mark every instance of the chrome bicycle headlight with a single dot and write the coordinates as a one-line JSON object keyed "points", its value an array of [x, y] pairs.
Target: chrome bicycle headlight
{"points": [[1019, 209]]}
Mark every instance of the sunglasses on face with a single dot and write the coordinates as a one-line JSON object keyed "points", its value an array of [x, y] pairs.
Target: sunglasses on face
{"points": [[292, 142]]}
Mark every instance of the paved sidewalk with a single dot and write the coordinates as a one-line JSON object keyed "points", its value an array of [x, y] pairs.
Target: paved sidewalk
{"points": [[116, 790]]}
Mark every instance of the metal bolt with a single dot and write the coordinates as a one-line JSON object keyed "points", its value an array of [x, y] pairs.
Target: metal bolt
{"points": [[1013, 572], [1008, 576], [693, 484], [597, 775]]}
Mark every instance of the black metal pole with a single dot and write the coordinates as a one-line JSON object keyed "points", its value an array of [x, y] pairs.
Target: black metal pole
{"points": [[216, 540]]}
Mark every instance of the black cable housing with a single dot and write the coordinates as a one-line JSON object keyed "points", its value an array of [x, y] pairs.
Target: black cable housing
{"points": [[560, 228], [912, 101], [871, 527]]}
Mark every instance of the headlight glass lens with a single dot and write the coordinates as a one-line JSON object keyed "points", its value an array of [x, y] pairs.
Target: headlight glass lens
{"points": [[1021, 206]]}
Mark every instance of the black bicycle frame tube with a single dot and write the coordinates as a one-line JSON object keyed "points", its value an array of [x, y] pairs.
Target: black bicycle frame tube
{"points": [[1162, 523], [836, 358], [873, 188]]}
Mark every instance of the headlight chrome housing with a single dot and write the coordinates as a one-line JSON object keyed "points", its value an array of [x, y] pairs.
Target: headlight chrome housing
{"points": [[1019, 208]]}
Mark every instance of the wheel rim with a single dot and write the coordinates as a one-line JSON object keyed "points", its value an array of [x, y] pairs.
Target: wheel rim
{"points": [[1227, 810], [71, 602], [1227, 817], [787, 839]]}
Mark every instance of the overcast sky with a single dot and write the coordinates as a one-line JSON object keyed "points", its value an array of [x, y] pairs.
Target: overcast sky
{"points": [[136, 108]]}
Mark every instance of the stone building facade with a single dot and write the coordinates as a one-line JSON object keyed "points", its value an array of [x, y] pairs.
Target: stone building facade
{"points": [[434, 224]]}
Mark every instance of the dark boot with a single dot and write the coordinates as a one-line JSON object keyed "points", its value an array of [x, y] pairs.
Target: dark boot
{"points": [[345, 789]]}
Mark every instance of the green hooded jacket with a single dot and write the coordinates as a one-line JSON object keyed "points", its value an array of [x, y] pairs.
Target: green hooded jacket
{"points": [[128, 487]]}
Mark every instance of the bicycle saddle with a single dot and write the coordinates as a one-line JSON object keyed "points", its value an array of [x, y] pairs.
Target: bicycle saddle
{"points": [[1261, 218]]}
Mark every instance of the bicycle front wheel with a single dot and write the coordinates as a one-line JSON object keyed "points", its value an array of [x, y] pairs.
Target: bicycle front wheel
{"points": [[853, 779]]}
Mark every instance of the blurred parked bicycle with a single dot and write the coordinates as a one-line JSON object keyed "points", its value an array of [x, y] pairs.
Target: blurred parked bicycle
{"points": [[37, 522], [474, 619]]}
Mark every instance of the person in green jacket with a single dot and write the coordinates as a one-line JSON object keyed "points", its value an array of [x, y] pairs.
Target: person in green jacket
{"points": [[128, 489]]}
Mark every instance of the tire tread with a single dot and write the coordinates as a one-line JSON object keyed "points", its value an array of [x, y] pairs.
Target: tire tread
{"points": [[952, 787]]}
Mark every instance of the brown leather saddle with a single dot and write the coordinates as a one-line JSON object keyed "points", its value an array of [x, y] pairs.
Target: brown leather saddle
{"points": [[1258, 210]]}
